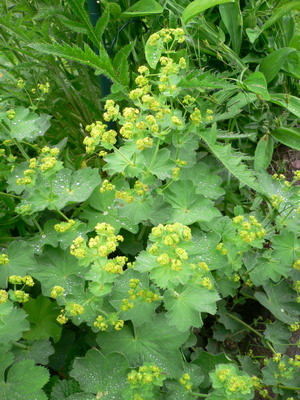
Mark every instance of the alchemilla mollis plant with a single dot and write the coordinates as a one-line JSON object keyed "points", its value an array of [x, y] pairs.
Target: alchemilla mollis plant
{"points": [[153, 259]]}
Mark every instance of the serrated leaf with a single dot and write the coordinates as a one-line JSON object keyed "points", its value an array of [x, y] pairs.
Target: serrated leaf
{"points": [[58, 268], [142, 311], [187, 206], [102, 23], [208, 362], [101, 375], [206, 182], [153, 342], [21, 261], [280, 300], [184, 306], [162, 166], [266, 268], [101, 63], [232, 160], [42, 314], [279, 335], [136, 211], [198, 6], [142, 8], [12, 322], [27, 125], [39, 351], [163, 275], [77, 7], [286, 247], [25, 381], [65, 388], [74, 186]]}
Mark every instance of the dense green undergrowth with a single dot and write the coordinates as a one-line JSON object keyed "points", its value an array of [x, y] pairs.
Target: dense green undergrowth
{"points": [[149, 244]]}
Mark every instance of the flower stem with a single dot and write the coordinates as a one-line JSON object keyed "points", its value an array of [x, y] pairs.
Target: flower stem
{"points": [[288, 387], [10, 195]]}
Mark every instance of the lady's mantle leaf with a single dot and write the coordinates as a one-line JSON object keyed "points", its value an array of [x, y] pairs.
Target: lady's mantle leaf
{"points": [[286, 247], [153, 342], [42, 314], [12, 323], [75, 186], [188, 207], [279, 335], [185, 306], [63, 389], [25, 381], [58, 268], [142, 311], [101, 375], [281, 301], [39, 351], [27, 125], [21, 261]]}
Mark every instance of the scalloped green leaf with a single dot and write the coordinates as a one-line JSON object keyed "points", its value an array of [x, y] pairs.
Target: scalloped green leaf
{"points": [[26, 125], [184, 306], [101, 375], [21, 261], [25, 381], [152, 342], [12, 322], [42, 314]]}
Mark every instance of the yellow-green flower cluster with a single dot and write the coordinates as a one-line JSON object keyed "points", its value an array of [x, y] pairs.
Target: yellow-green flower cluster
{"points": [[21, 296], [74, 309], [124, 195], [11, 114], [3, 296], [48, 159], [276, 200], [64, 226], [115, 265], [220, 247], [57, 291], [146, 375], [135, 293], [106, 186], [249, 230], [144, 143], [62, 318], [98, 135], [232, 380], [112, 111], [21, 280], [166, 248], [167, 35], [185, 380], [296, 264], [196, 116], [44, 87], [103, 323], [295, 326], [4, 259], [101, 245]]}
